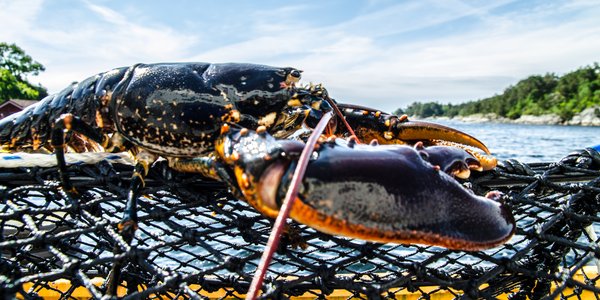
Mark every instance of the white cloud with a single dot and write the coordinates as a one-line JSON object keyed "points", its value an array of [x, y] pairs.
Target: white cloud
{"points": [[17, 17], [349, 59], [463, 68], [76, 50], [372, 59]]}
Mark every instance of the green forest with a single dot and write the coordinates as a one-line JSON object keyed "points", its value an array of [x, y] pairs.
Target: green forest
{"points": [[564, 95], [15, 67]]}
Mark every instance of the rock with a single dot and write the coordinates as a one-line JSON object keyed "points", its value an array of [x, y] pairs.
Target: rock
{"points": [[434, 118], [588, 117], [481, 118], [549, 119]]}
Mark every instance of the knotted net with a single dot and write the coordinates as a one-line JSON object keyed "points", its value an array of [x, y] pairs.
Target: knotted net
{"points": [[195, 240]]}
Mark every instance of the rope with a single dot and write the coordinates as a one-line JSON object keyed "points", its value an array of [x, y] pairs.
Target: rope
{"points": [[28, 160]]}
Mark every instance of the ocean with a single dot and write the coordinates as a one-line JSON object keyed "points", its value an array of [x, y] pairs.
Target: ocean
{"points": [[529, 143]]}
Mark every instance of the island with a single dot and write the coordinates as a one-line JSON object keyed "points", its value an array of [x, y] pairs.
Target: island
{"points": [[570, 99]]}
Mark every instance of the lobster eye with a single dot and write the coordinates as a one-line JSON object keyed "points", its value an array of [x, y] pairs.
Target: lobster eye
{"points": [[296, 73]]}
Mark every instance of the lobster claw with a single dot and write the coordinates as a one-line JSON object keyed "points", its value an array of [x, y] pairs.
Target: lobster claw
{"points": [[452, 160], [436, 134], [379, 193], [388, 193], [419, 130], [384, 128]]}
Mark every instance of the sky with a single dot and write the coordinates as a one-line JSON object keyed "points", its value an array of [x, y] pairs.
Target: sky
{"points": [[377, 53]]}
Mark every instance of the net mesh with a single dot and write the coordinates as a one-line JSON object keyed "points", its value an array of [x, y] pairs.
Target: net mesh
{"points": [[195, 240]]}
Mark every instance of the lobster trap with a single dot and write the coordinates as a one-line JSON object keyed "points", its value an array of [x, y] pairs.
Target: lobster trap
{"points": [[195, 240]]}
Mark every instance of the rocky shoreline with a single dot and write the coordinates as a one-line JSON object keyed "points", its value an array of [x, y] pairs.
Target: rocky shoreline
{"points": [[588, 117]]}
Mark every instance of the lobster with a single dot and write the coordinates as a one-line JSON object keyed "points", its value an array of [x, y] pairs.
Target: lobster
{"points": [[246, 125]]}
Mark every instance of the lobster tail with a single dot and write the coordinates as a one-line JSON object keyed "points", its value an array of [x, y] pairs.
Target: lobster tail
{"points": [[31, 127]]}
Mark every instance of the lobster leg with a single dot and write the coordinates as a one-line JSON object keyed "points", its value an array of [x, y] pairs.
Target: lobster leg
{"points": [[128, 224], [64, 123], [207, 166]]}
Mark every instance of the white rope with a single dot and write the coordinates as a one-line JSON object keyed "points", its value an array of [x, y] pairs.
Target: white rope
{"points": [[593, 237], [17, 160]]}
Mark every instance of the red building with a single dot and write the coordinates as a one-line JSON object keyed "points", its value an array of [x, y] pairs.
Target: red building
{"points": [[14, 105]]}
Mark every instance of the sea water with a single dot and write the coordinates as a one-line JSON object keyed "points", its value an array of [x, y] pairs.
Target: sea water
{"points": [[530, 143]]}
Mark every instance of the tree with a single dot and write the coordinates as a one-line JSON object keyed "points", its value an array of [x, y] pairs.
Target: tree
{"points": [[15, 66], [564, 95]]}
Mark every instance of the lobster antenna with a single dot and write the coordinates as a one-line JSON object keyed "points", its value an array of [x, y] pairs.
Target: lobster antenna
{"points": [[284, 211], [338, 112]]}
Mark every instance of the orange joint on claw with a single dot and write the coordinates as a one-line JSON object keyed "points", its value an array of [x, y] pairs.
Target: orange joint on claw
{"points": [[36, 143], [125, 224], [72, 191], [235, 156], [461, 173], [105, 141], [388, 135], [235, 115], [225, 128], [294, 103], [245, 181], [67, 119]]}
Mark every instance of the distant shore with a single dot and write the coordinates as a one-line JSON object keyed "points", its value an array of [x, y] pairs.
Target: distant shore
{"points": [[588, 117]]}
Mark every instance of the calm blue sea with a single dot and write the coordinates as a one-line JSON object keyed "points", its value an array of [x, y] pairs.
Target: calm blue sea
{"points": [[530, 143]]}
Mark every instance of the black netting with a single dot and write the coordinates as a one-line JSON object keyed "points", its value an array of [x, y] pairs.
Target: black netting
{"points": [[195, 240]]}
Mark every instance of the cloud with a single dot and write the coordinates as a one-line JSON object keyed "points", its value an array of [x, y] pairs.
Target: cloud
{"points": [[127, 39], [381, 54], [93, 38], [411, 16], [460, 68], [17, 17], [357, 64]]}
